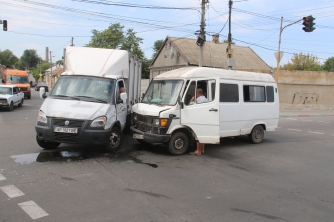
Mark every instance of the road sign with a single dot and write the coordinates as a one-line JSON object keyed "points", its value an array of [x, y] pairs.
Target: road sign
{"points": [[276, 56]]}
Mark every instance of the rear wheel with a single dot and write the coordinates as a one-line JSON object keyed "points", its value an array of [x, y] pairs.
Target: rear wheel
{"points": [[11, 106], [46, 145], [28, 96], [21, 103], [178, 143], [256, 135], [115, 140]]}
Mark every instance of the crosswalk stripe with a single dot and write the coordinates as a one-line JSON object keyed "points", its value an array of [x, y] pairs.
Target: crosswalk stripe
{"points": [[12, 191], [33, 210]]}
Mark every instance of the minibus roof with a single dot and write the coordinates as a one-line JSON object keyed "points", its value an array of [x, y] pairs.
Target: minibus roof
{"points": [[16, 72], [205, 72]]}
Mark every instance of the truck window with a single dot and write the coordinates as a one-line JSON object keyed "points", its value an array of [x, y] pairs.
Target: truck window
{"points": [[254, 94], [270, 94], [190, 93], [229, 93]]}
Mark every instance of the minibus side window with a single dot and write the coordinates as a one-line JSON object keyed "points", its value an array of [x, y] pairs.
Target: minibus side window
{"points": [[270, 94], [229, 93], [254, 94]]}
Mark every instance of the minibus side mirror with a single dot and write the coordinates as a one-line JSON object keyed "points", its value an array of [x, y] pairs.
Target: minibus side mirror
{"points": [[123, 96], [180, 102], [3, 81]]}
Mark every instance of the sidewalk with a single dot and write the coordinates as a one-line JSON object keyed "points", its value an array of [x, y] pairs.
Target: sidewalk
{"points": [[305, 113]]}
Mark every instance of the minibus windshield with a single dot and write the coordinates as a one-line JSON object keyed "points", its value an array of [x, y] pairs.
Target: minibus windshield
{"points": [[163, 92], [86, 88]]}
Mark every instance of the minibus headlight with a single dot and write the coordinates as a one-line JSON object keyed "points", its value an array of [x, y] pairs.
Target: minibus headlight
{"points": [[42, 117], [163, 122], [99, 122], [135, 116], [155, 122]]}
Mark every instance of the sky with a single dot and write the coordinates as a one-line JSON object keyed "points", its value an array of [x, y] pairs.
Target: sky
{"points": [[37, 24]]}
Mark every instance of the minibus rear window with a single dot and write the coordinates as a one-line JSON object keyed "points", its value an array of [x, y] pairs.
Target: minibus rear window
{"points": [[254, 94], [229, 93]]}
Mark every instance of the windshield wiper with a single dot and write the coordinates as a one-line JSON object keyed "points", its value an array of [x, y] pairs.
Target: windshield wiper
{"points": [[92, 98], [64, 96]]}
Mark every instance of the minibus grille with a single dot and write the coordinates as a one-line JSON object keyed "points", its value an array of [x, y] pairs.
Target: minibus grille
{"points": [[23, 89]]}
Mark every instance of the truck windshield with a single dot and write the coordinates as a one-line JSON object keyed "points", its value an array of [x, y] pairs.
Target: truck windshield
{"points": [[163, 92], [87, 88], [17, 79]]}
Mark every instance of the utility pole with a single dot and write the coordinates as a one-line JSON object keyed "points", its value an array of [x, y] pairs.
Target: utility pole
{"points": [[229, 39], [49, 77], [72, 42], [201, 39]]}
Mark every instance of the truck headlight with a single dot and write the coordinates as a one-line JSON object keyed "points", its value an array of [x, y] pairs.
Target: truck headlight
{"points": [[42, 117], [99, 122], [135, 116]]}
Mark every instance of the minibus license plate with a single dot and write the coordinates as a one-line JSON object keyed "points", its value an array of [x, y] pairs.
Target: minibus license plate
{"points": [[65, 130], [138, 136]]}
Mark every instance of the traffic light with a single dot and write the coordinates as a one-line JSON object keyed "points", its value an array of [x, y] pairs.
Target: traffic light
{"points": [[308, 23], [4, 22]]}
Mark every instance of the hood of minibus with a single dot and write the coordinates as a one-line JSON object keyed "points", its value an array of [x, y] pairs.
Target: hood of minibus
{"points": [[149, 109], [73, 109]]}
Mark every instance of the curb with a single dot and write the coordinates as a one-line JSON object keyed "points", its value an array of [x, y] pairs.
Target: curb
{"points": [[305, 115]]}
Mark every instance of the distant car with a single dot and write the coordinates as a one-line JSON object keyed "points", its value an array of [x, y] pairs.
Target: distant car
{"points": [[10, 95], [41, 84]]}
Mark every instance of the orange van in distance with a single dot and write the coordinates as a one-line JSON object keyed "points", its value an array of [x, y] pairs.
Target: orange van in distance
{"points": [[18, 78]]}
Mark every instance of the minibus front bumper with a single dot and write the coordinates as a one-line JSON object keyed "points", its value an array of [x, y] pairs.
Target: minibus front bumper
{"points": [[149, 137]]}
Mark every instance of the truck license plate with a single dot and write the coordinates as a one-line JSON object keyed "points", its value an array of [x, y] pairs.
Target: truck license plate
{"points": [[65, 130], [138, 136]]}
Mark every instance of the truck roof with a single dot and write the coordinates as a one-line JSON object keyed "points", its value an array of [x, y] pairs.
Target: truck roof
{"points": [[16, 72], [110, 63], [205, 72]]}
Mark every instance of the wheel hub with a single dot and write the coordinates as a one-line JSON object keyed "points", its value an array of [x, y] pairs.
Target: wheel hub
{"points": [[179, 143]]}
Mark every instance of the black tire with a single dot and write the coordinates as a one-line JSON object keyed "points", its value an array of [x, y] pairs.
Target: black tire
{"points": [[46, 145], [21, 103], [115, 140], [29, 96], [256, 135], [11, 106], [178, 143]]}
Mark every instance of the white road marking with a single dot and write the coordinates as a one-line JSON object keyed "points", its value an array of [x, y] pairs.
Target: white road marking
{"points": [[315, 132], [27, 104], [307, 120], [295, 130], [291, 118], [2, 177], [33, 210], [323, 122], [12, 191]]}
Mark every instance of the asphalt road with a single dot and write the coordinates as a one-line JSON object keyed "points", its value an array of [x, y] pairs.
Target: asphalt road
{"points": [[288, 177]]}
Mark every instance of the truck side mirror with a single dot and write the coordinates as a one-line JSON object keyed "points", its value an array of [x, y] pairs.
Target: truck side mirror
{"points": [[42, 93], [124, 97], [3, 81]]}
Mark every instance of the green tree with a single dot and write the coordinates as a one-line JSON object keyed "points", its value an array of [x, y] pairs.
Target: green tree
{"points": [[131, 43], [226, 41], [145, 74], [303, 62], [40, 69], [8, 59], [329, 65], [156, 47], [30, 59], [110, 38]]}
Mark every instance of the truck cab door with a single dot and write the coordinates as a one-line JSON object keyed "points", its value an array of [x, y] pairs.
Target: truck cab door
{"points": [[121, 105], [202, 117]]}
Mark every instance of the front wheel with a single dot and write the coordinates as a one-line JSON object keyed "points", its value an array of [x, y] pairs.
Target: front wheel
{"points": [[115, 140], [178, 143], [11, 106], [46, 145], [257, 134], [21, 103]]}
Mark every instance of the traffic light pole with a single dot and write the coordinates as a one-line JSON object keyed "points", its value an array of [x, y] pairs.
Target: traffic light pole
{"points": [[279, 41]]}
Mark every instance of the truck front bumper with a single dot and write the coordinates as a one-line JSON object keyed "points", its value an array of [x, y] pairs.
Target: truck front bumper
{"points": [[85, 136], [149, 137]]}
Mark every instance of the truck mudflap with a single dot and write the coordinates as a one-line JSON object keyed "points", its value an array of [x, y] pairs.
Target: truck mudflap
{"points": [[149, 137]]}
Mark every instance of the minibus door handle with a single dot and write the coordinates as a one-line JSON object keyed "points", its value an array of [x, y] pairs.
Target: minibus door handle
{"points": [[212, 109]]}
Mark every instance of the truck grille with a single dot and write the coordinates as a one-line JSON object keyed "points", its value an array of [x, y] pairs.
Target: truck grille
{"points": [[23, 89], [67, 137]]}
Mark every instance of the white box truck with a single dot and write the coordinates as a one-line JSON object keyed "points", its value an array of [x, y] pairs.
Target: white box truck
{"points": [[92, 100], [237, 103]]}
